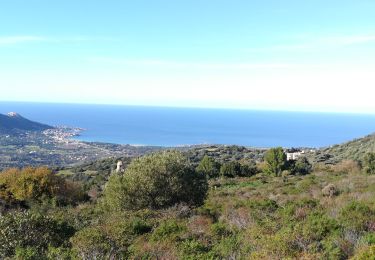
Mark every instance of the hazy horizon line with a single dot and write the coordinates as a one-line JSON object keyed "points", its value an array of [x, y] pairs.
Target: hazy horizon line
{"points": [[260, 109]]}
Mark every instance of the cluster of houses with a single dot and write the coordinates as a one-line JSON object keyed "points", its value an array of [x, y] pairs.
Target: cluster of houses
{"points": [[294, 154]]}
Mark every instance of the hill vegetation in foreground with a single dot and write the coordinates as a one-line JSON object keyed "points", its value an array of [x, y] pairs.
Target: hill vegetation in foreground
{"points": [[164, 207]]}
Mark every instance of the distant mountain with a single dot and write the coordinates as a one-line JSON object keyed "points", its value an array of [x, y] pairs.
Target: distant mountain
{"points": [[353, 150], [13, 122]]}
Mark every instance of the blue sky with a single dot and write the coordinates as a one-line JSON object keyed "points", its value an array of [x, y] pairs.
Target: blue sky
{"points": [[291, 55]]}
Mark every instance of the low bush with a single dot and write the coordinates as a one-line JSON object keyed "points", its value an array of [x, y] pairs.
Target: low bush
{"points": [[29, 234]]}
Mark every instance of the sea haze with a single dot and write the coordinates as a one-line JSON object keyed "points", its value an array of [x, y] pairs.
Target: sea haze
{"points": [[186, 126]]}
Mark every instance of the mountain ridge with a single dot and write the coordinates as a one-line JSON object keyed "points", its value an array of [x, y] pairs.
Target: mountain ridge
{"points": [[14, 122]]}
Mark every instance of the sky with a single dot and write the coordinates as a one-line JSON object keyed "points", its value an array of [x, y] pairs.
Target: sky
{"points": [[249, 54]]}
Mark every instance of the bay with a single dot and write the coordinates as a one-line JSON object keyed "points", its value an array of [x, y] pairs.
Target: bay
{"points": [[162, 126]]}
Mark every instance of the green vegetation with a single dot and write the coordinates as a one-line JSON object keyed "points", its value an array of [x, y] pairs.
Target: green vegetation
{"points": [[275, 159], [301, 166], [156, 181], [354, 150], [161, 207], [369, 163], [55, 148], [209, 167], [36, 185]]}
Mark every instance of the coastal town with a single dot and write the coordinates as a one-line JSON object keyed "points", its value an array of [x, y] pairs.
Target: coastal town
{"points": [[57, 147]]}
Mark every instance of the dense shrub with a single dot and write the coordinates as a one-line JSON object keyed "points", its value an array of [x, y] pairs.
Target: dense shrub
{"points": [[301, 166], [366, 253], [237, 169], [26, 233], [230, 169], [209, 167], [156, 181], [168, 230], [37, 185], [357, 217], [91, 243], [109, 239], [369, 163]]}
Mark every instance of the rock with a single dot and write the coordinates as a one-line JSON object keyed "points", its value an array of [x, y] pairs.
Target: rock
{"points": [[330, 190]]}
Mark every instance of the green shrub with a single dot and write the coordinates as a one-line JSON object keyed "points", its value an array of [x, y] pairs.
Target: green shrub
{"points": [[111, 237], [301, 166], [230, 169], [315, 228], [27, 253], [169, 229], [228, 247], [60, 253], [139, 227], [194, 249], [91, 243], [369, 163], [220, 230], [28, 233], [367, 253], [357, 217], [369, 239], [156, 181], [209, 167]]}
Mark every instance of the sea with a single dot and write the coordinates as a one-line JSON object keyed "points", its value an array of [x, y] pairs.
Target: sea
{"points": [[164, 126]]}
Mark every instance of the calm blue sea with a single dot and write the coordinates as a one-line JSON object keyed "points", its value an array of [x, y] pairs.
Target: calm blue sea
{"points": [[186, 126]]}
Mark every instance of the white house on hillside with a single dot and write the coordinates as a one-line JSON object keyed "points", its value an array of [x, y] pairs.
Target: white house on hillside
{"points": [[294, 156]]}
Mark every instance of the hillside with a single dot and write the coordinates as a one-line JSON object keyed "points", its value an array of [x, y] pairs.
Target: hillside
{"points": [[327, 214], [13, 122], [353, 150], [27, 143], [94, 174]]}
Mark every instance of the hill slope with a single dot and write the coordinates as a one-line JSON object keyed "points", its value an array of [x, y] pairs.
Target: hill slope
{"points": [[353, 150], [12, 122]]}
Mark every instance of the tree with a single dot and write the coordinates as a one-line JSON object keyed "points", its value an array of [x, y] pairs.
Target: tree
{"points": [[37, 184], [156, 181], [209, 167], [275, 159], [369, 163]]}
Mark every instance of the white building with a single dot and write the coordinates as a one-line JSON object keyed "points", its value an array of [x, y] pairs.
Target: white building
{"points": [[294, 156], [119, 167]]}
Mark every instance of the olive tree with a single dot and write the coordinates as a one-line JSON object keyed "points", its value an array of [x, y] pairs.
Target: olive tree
{"points": [[156, 181]]}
